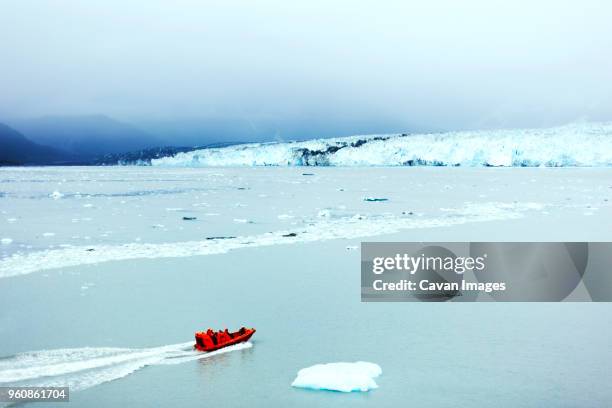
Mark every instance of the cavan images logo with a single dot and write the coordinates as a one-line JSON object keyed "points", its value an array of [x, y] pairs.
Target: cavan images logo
{"points": [[499, 271]]}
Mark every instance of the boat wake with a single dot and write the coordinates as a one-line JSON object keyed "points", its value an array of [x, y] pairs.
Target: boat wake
{"points": [[81, 368]]}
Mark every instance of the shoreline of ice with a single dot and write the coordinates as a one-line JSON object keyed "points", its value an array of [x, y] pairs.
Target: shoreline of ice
{"points": [[325, 229]]}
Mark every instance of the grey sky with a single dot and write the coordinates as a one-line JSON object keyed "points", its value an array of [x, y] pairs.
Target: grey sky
{"points": [[431, 64]]}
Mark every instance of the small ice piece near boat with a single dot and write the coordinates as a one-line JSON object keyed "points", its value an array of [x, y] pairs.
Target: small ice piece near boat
{"points": [[343, 377]]}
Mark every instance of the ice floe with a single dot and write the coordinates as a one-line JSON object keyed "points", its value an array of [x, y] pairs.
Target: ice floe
{"points": [[343, 377]]}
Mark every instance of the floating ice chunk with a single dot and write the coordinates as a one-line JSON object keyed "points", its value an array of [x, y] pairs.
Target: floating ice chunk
{"points": [[6, 241], [56, 195], [344, 377], [48, 234], [241, 220], [285, 216]]}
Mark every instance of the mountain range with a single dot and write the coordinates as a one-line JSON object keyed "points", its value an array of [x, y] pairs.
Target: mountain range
{"points": [[69, 140], [15, 149]]}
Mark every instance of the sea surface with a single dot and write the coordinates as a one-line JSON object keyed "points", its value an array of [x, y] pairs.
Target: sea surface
{"points": [[103, 283]]}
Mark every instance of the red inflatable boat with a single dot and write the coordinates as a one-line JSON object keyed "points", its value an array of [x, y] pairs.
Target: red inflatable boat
{"points": [[214, 340]]}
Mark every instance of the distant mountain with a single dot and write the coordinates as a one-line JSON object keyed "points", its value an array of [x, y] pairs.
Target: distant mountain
{"points": [[86, 137], [15, 149]]}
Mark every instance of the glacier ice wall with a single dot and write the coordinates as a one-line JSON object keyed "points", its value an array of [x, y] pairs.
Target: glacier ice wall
{"points": [[583, 144]]}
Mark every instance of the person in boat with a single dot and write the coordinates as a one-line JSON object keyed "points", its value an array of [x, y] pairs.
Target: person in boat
{"points": [[213, 336], [228, 333], [205, 340], [222, 337]]}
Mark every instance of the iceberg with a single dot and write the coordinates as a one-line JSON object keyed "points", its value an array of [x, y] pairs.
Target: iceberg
{"points": [[577, 145], [343, 377]]}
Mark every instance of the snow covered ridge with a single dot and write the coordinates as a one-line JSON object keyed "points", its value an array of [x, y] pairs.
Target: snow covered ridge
{"points": [[583, 144], [343, 377]]}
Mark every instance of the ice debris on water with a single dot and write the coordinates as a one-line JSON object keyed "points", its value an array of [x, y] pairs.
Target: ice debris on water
{"points": [[375, 199], [56, 195], [343, 377], [6, 241], [189, 218]]}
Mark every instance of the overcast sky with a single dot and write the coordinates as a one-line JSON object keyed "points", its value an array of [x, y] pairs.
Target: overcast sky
{"points": [[437, 64]]}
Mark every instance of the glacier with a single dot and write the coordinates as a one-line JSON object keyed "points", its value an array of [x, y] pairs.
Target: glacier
{"points": [[343, 377], [586, 144]]}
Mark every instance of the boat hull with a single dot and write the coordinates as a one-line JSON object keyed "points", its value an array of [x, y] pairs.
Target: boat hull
{"points": [[236, 339]]}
